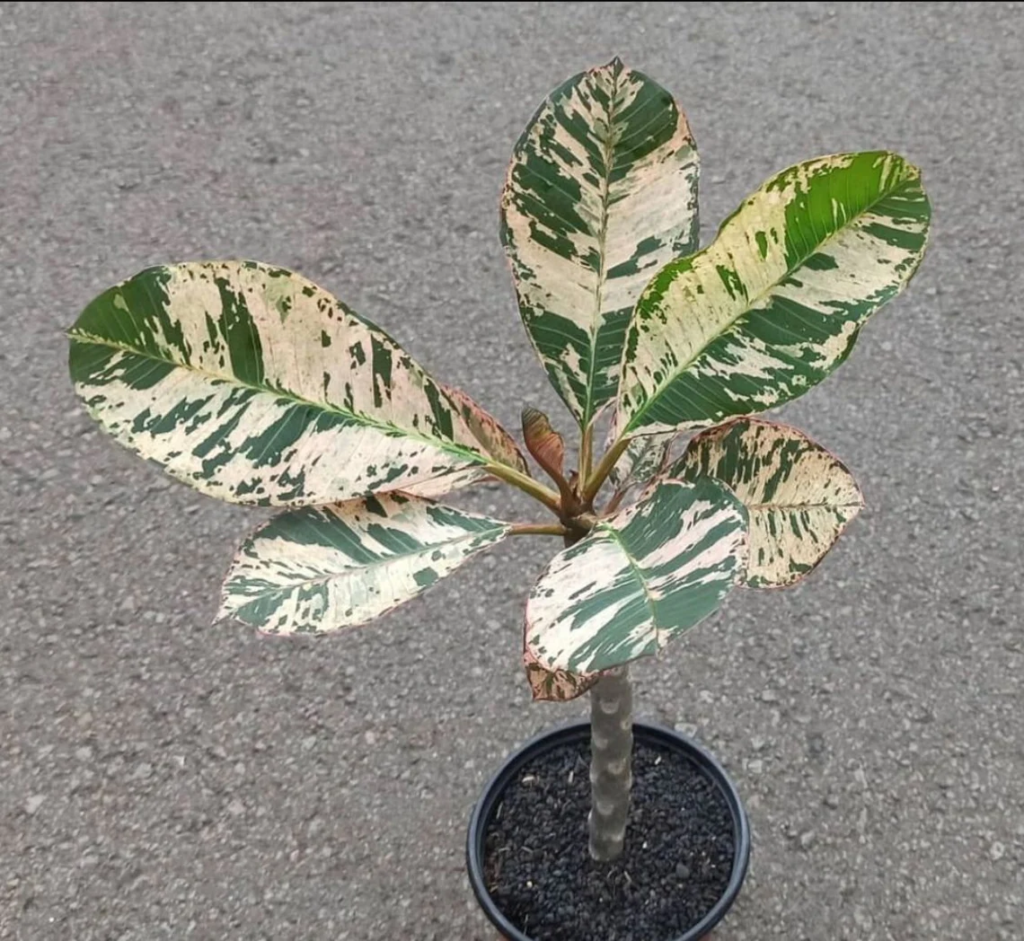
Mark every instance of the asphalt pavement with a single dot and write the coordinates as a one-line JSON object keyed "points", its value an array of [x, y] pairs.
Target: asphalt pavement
{"points": [[161, 778]]}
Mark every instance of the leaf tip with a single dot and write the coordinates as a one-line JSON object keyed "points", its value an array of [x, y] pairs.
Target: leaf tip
{"points": [[224, 613], [531, 416]]}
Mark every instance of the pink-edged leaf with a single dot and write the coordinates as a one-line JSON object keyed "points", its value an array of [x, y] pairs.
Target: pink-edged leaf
{"points": [[799, 496], [639, 578], [545, 444], [555, 685], [493, 437]]}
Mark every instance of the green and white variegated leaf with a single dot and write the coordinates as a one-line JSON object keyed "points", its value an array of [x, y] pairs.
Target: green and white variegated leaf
{"points": [[799, 496], [773, 305], [488, 431], [493, 439], [601, 193], [319, 569], [639, 578], [643, 458], [254, 385], [439, 486], [555, 685]]}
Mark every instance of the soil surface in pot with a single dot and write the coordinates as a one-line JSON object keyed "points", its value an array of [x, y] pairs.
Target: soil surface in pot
{"points": [[675, 866]]}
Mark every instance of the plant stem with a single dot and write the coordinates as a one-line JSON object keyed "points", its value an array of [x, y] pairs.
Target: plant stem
{"points": [[565, 491], [603, 469], [537, 529], [611, 763], [586, 451], [611, 757], [527, 484]]}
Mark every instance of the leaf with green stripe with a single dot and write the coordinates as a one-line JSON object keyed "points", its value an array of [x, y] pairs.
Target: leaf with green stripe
{"points": [[644, 457], [601, 193], [493, 439], [254, 385], [799, 496], [773, 305], [319, 569], [492, 435], [639, 578]]}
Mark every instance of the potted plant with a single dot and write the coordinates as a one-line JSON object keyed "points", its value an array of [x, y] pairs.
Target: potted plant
{"points": [[254, 385]]}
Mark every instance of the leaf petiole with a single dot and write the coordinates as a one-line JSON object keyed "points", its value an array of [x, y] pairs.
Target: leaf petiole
{"points": [[537, 529], [527, 484], [586, 450], [603, 469]]}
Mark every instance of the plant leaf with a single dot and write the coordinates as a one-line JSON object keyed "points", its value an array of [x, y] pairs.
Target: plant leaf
{"points": [[555, 685], [601, 192], [254, 385], [773, 305], [644, 457], [799, 496], [545, 444], [493, 439], [636, 580], [439, 486], [319, 569]]}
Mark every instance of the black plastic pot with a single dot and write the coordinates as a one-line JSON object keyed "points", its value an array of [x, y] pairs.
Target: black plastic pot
{"points": [[573, 734]]}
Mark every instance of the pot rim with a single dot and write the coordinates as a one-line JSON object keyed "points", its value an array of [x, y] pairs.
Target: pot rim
{"points": [[578, 729]]}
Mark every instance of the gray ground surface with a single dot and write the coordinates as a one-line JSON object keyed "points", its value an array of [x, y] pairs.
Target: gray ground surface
{"points": [[162, 778]]}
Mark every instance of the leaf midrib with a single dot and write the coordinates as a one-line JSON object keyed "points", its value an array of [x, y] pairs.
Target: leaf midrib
{"points": [[498, 527], [634, 569], [799, 507], [750, 304], [606, 182], [440, 443]]}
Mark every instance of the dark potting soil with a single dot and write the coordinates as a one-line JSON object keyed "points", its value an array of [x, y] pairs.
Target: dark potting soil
{"points": [[675, 866]]}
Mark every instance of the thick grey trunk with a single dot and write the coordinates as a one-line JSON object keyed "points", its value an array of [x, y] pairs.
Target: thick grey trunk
{"points": [[611, 762]]}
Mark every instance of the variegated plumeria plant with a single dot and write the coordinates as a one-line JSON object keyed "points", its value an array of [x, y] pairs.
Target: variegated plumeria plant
{"points": [[254, 385]]}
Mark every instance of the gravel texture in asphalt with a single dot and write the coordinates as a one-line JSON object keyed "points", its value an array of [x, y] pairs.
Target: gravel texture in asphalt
{"points": [[163, 778]]}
